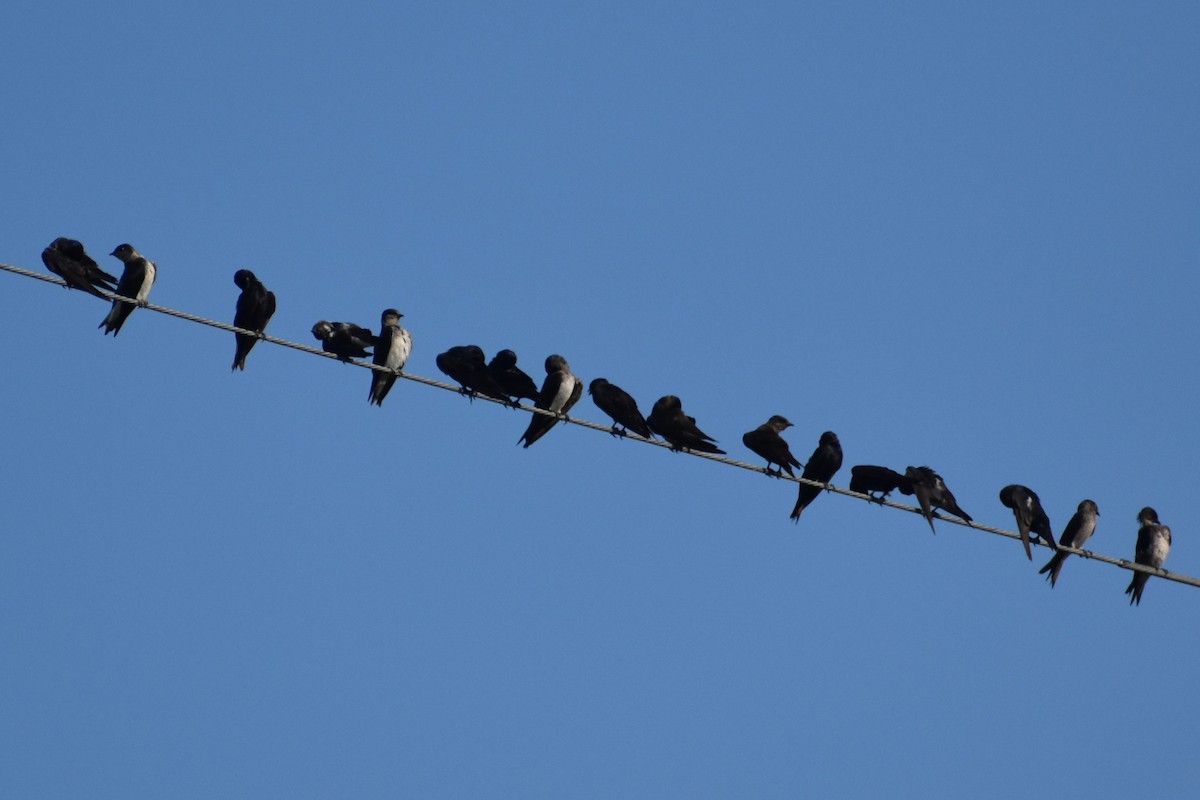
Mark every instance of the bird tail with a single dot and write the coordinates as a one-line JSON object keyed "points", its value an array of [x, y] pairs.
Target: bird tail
{"points": [[116, 317], [1134, 590], [1053, 567]]}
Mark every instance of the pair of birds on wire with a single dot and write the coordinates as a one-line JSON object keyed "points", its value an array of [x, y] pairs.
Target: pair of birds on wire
{"points": [[503, 380], [67, 259]]}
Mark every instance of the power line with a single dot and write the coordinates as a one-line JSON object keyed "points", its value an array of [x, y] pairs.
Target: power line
{"points": [[1132, 566]]}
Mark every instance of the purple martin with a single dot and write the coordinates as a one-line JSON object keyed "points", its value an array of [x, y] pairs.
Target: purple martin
{"points": [[766, 442], [1153, 544], [668, 421], [868, 479], [391, 351], [467, 365], [512, 379], [822, 465], [561, 390], [1079, 530], [931, 492], [135, 282], [255, 306], [618, 404], [1031, 517], [67, 259], [344, 339]]}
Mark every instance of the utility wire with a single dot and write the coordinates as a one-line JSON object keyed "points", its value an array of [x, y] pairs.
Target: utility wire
{"points": [[1132, 566]]}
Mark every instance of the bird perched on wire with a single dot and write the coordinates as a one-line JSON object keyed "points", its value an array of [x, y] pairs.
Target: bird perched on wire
{"points": [[765, 441], [255, 306], [668, 421], [620, 405], [67, 259], [392, 347], [511, 378], [822, 465], [869, 479], [466, 364], [931, 492], [1078, 530], [344, 339], [135, 282], [560, 391], [1153, 544], [1030, 516]]}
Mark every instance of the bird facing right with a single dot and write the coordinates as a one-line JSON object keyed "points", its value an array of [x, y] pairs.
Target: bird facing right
{"points": [[560, 391], [824, 463], [1078, 530], [765, 441], [1153, 544], [392, 347]]}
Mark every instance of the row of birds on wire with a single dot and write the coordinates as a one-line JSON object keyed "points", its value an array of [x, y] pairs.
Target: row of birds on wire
{"points": [[503, 380]]}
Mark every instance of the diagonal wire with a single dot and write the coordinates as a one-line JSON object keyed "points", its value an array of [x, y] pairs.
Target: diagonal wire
{"points": [[1123, 563]]}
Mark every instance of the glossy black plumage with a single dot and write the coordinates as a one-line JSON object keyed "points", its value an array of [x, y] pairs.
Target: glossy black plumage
{"points": [[1078, 530], [560, 391], [765, 441], [255, 306], [931, 492], [344, 339], [620, 405], [136, 281], [822, 465], [392, 348], [67, 259], [878, 482], [1031, 517], [668, 421], [467, 365], [511, 378], [1153, 545]]}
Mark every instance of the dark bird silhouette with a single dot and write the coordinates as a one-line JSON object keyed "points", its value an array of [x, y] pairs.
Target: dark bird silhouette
{"points": [[931, 492], [1030, 516], [1078, 530], [668, 421], [255, 306], [1153, 544], [511, 378], [67, 259], [870, 479], [344, 339], [766, 442], [135, 282], [822, 465], [392, 347], [618, 404], [467, 365], [561, 390]]}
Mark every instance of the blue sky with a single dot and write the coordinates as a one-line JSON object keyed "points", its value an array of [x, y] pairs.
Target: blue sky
{"points": [[955, 235]]}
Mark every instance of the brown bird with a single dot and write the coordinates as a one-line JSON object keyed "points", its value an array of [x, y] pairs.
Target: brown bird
{"points": [[766, 442]]}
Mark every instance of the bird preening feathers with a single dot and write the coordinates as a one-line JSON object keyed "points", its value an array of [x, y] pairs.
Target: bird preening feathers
{"points": [[255, 306]]}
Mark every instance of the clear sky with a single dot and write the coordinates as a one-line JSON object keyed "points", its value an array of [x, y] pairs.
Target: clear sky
{"points": [[962, 235]]}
